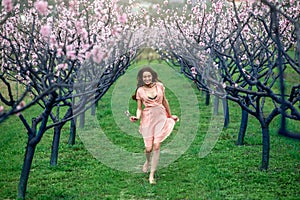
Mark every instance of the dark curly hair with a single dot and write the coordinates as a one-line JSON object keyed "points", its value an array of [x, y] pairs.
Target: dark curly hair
{"points": [[140, 81]]}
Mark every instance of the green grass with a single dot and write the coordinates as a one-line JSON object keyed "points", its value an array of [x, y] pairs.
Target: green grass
{"points": [[228, 172]]}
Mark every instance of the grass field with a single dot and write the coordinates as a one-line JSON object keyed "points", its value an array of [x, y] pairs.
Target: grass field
{"points": [[227, 172]]}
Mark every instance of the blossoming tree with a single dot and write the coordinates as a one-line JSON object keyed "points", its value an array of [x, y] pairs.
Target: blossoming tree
{"points": [[242, 52], [65, 57], [66, 54]]}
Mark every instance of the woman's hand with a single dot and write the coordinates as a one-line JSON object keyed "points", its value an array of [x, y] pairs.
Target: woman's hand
{"points": [[175, 118], [133, 118]]}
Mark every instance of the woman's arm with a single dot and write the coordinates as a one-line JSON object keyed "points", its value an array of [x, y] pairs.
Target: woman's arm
{"points": [[139, 108], [138, 111], [166, 105], [168, 111]]}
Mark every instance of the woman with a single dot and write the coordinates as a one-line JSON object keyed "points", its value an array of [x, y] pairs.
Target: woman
{"points": [[156, 120]]}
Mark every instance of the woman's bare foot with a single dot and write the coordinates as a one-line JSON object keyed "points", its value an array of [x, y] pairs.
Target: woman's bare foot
{"points": [[145, 167], [152, 180]]}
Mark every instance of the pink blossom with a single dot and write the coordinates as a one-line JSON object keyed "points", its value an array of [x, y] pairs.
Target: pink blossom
{"points": [[78, 25], [20, 106], [84, 33], [42, 7], [69, 47], [292, 2], [123, 18], [194, 72], [62, 66], [7, 5], [57, 74], [59, 66], [53, 42], [1, 109], [59, 52], [71, 53], [65, 66], [195, 10], [45, 30], [97, 54], [116, 30], [218, 7], [88, 55], [251, 1], [71, 4], [85, 47], [244, 57]]}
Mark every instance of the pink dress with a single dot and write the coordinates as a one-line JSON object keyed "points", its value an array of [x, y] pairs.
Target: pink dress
{"points": [[155, 126]]}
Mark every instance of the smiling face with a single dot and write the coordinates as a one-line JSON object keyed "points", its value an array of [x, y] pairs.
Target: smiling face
{"points": [[147, 78]]}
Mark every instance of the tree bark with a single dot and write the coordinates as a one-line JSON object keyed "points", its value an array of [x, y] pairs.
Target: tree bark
{"points": [[93, 109], [72, 136], [207, 98], [34, 137], [226, 112], [243, 128], [30, 150], [265, 147], [216, 105], [81, 120], [55, 145], [284, 131]]}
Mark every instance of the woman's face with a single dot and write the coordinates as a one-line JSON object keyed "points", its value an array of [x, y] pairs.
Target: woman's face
{"points": [[147, 78]]}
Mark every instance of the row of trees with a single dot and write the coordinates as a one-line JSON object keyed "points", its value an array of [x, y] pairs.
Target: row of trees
{"points": [[243, 53], [64, 55]]}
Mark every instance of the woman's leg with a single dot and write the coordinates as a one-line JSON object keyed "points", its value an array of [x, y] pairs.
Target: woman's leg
{"points": [[148, 151], [154, 162]]}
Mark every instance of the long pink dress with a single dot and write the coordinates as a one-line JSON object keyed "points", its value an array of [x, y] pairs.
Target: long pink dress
{"points": [[155, 126]]}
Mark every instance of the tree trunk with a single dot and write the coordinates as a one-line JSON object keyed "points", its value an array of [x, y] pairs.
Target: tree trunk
{"points": [[226, 112], [72, 132], [81, 120], [284, 131], [93, 109], [297, 27], [30, 150], [55, 145], [216, 105], [265, 147], [282, 128], [34, 138], [207, 98], [243, 128]]}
